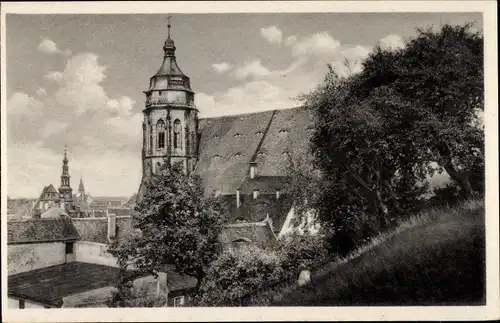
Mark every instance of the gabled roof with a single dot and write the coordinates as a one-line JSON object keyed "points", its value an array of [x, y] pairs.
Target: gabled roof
{"points": [[41, 230], [50, 284], [256, 210], [176, 281], [49, 189], [264, 184], [228, 145], [258, 233]]}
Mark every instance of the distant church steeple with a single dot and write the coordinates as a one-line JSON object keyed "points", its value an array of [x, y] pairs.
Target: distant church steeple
{"points": [[81, 188], [170, 124], [65, 190]]}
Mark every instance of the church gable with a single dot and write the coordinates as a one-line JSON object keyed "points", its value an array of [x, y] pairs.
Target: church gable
{"points": [[49, 193]]}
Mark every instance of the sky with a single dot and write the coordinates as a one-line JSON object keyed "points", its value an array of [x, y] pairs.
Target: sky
{"points": [[77, 80]]}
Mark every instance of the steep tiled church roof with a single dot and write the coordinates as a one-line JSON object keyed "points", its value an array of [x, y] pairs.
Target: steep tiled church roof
{"points": [[228, 145]]}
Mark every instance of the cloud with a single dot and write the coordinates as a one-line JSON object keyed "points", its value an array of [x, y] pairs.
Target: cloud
{"points": [[392, 42], [41, 92], [319, 43], [272, 34], [253, 96], [254, 68], [251, 68], [99, 130], [53, 76], [47, 46], [221, 67], [290, 40], [350, 60]]}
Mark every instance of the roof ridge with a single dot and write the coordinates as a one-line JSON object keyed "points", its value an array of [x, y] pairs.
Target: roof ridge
{"points": [[250, 113]]}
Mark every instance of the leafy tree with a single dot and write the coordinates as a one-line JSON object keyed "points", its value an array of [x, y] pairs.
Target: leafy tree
{"points": [[378, 132], [126, 295], [301, 251], [237, 273], [438, 82], [174, 225]]}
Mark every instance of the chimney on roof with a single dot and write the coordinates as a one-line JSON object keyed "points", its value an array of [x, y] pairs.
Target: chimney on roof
{"points": [[238, 202], [255, 194], [111, 225], [253, 166]]}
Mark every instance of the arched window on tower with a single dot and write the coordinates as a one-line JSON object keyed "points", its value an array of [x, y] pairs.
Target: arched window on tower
{"points": [[177, 134], [160, 130], [150, 138]]}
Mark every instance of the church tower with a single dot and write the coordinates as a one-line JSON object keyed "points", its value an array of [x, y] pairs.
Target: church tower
{"points": [[65, 190], [170, 123]]}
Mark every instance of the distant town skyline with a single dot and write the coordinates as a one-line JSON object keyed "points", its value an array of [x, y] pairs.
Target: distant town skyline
{"points": [[77, 80]]}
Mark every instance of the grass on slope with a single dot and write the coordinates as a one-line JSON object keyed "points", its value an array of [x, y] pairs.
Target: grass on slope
{"points": [[435, 258]]}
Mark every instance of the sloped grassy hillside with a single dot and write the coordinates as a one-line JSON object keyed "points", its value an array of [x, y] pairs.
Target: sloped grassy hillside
{"points": [[435, 258]]}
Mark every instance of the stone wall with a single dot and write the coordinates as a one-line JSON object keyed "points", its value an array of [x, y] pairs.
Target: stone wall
{"points": [[94, 253], [26, 257], [14, 303]]}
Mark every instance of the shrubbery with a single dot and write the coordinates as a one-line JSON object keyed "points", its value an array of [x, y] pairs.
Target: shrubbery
{"points": [[239, 273]]}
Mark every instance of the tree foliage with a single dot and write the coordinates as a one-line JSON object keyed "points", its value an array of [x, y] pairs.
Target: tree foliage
{"points": [[378, 133], [237, 273], [173, 225]]}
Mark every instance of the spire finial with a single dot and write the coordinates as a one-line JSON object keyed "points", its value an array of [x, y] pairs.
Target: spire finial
{"points": [[169, 25]]}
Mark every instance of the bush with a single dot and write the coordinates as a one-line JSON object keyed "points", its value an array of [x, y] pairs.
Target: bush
{"points": [[301, 251], [126, 295], [237, 273]]}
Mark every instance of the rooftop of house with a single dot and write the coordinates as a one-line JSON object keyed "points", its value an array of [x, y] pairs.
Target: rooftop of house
{"points": [[176, 281], [50, 284], [228, 145], [259, 233], [41, 230], [264, 184], [256, 210]]}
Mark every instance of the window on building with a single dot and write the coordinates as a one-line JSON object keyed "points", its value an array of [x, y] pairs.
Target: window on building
{"points": [[69, 247], [21, 303], [177, 134], [150, 137], [160, 130], [179, 301]]}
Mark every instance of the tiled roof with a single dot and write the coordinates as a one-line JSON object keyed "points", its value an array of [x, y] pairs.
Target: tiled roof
{"points": [[50, 284], [177, 281], [256, 210], [228, 144], [96, 229], [41, 230], [265, 184], [258, 233]]}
